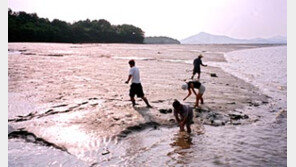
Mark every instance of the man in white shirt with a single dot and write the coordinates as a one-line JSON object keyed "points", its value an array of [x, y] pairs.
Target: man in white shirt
{"points": [[136, 87]]}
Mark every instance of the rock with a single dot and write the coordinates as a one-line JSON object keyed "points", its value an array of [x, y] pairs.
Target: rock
{"points": [[236, 123], [172, 121], [213, 75], [237, 117], [128, 115], [105, 152], [256, 104], [165, 111]]}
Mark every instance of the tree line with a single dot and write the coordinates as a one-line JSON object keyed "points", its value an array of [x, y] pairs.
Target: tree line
{"points": [[25, 27]]}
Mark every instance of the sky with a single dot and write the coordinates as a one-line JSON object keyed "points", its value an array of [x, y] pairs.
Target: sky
{"points": [[244, 19]]}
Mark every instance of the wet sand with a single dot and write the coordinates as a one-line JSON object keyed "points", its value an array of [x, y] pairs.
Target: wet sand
{"points": [[74, 96]]}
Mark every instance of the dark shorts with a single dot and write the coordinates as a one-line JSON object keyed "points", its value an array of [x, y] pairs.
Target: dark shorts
{"points": [[136, 89], [196, 70]]}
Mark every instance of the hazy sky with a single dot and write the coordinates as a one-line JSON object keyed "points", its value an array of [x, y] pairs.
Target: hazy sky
{"points": [[176, 19]]}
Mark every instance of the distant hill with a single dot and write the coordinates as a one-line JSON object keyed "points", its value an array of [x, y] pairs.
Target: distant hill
{"points": [[160, 40], [205, 38]]}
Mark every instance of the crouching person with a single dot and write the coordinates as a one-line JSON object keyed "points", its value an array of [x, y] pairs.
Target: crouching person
{"points": [[186, 115]]}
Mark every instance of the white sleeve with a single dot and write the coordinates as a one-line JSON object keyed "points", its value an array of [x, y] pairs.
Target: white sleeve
{"points": [[131, 71]]}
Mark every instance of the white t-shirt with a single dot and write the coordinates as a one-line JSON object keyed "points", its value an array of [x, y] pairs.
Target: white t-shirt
{"points": [[134, 71]]}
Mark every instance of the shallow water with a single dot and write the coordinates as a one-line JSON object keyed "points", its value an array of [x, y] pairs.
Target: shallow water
{"points": [[259, 144], [265, 68]]}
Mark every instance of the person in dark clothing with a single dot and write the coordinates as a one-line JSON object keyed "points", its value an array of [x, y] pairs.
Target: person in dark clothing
{"points": [[186, 115], [190, 87], [196, 69]]}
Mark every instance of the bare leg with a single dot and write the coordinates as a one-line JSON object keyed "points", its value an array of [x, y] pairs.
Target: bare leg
{"points": [[181, 128], [198, 76], [133, 101], [188, 128], [192, 75], [201, 100], [146, 101], [197, 99]]}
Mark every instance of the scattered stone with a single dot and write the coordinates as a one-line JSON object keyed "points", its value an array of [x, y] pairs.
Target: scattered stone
{"points": [[158, 101], [165, 111], [236, 123], [95, 104], [105, 152], [231, 103], [237, 117], [172, 121], [128, 115], [256, 104], [84, 103], [213, 75]]}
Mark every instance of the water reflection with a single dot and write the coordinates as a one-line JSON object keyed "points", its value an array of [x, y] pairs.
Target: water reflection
{"points": [[183, 140]]}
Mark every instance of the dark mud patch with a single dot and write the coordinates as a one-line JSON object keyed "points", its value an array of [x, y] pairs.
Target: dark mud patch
{"points": [[215, 118], [31, 137], [137, 128]]}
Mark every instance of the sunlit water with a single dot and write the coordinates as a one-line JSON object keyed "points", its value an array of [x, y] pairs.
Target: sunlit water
{"points": [[265, 68]]}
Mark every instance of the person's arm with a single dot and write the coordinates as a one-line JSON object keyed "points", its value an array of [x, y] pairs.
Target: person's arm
{"points": [[203, 64], [176, 116], [192, 88], [183, 121], [189, 93], [181, 124], [131, 71], [129, 78]]}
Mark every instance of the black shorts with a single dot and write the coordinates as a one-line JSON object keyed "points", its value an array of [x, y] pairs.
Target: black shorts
{"points": [[136, 89], [196, 70]]}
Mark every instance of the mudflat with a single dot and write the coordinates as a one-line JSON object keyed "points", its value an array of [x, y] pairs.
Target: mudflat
{"points": [[73, 96]]}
